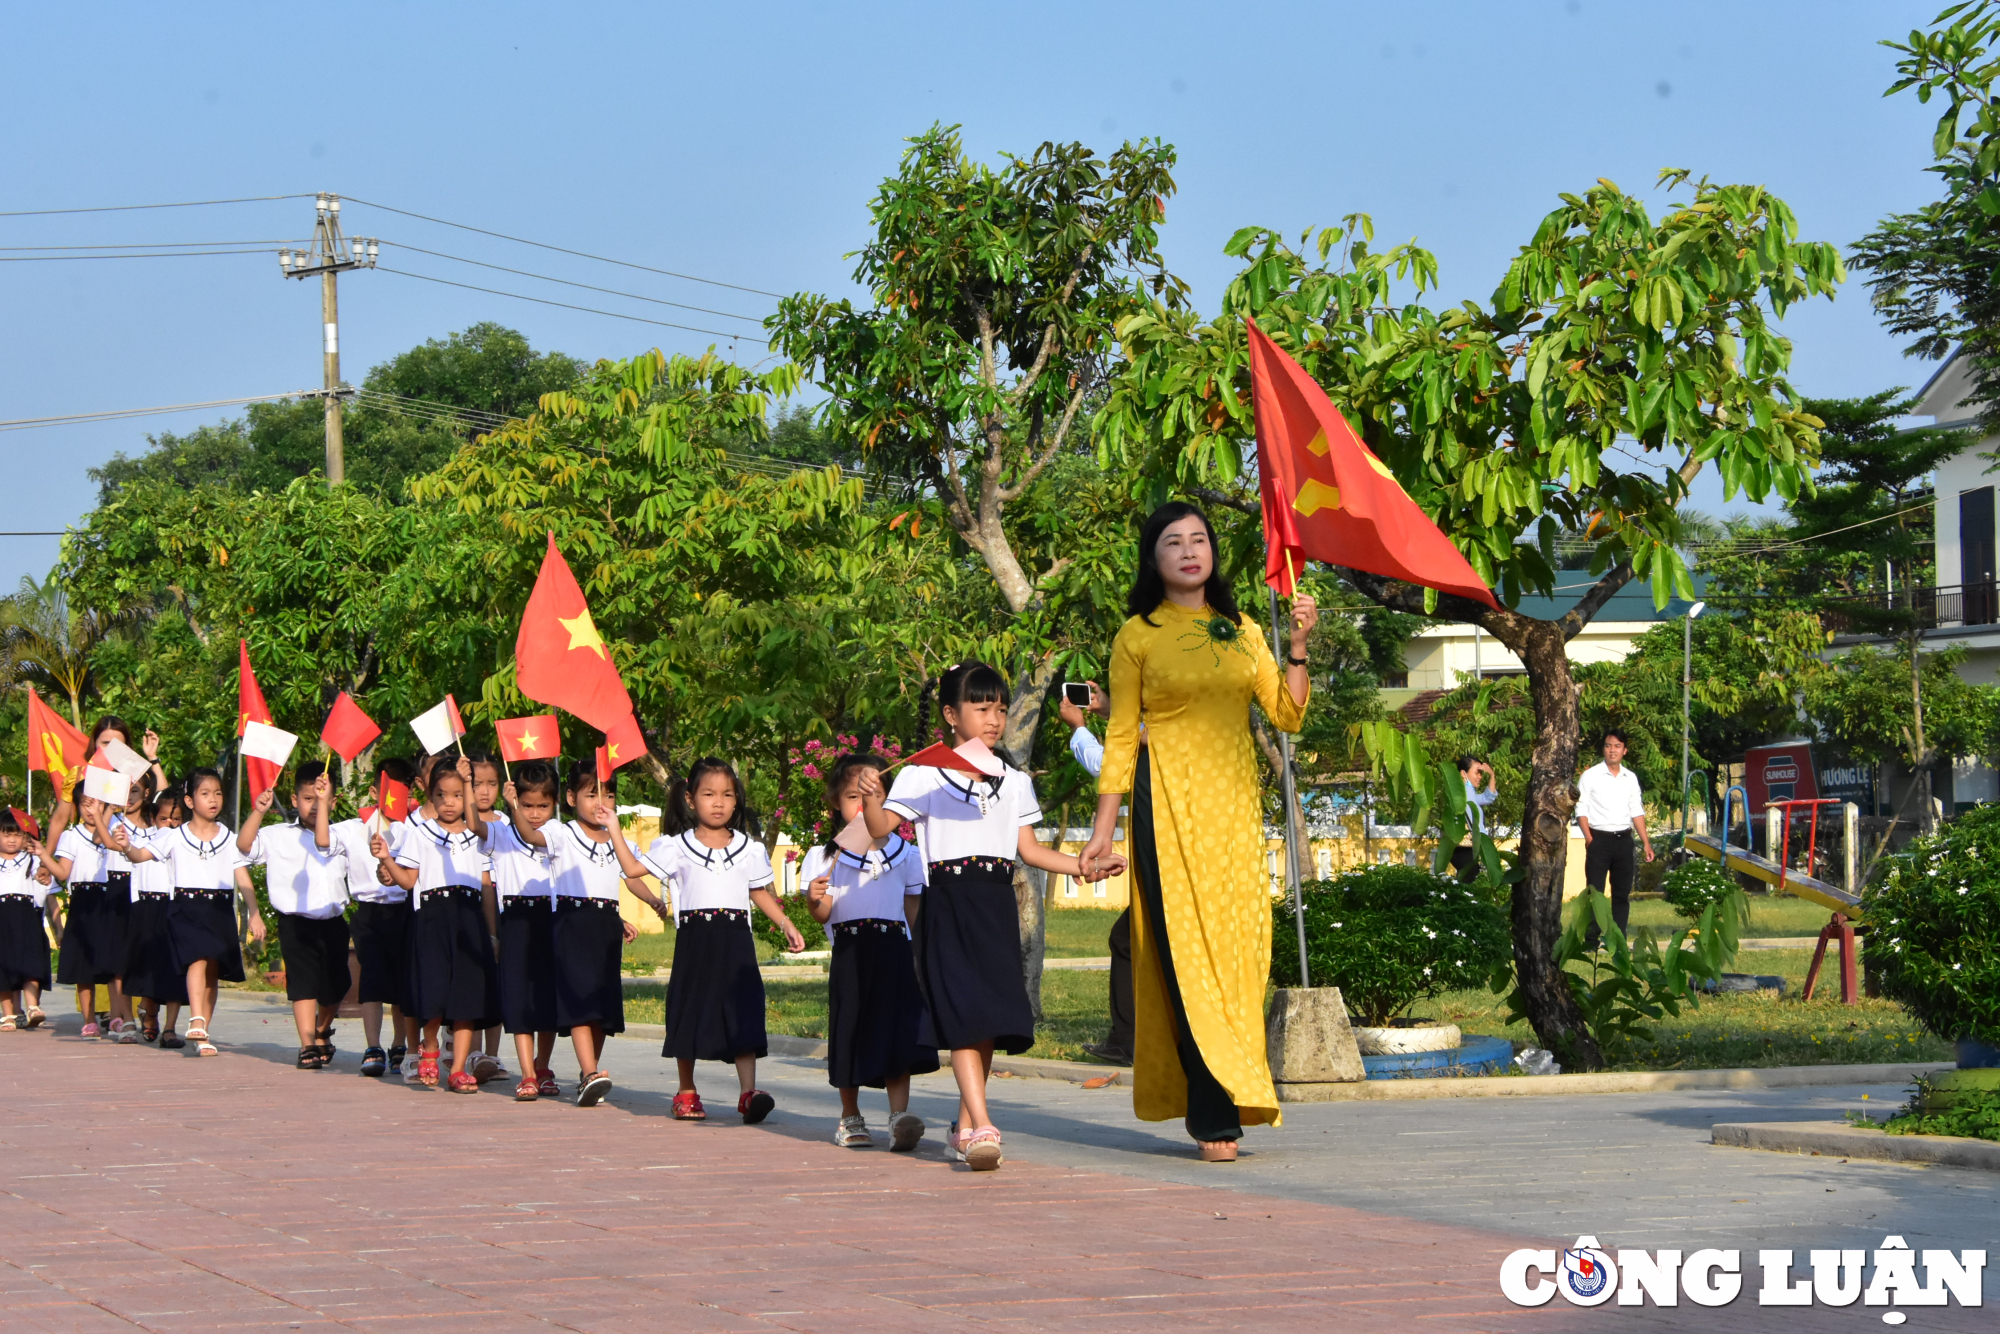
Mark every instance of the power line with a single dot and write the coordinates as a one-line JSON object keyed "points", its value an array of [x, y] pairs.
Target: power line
{"points": [[128, 208], [47, 534], [609, 291], [162, 254], [497, 417], [153, 245], [588, 310], [27, 423], [543, 245]]}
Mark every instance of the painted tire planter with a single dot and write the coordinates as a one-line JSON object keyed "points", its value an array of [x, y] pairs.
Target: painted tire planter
{"points": [[1407, 1041], [1474, 1056]]}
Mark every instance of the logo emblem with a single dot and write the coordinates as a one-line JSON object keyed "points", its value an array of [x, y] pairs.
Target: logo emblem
{"points": [[1586, 1274]]}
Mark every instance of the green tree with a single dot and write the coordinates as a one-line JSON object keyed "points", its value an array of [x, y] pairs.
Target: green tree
{"points": [[996, 293], [46, 641], [1934, 274], [1618, 357]]}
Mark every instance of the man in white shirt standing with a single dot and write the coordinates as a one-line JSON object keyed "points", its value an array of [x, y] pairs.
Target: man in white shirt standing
{"points": [[1608, 809]]}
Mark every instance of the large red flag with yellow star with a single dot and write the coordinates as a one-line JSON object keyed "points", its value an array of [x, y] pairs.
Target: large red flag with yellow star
{"points": [[559, 658], [1327, 498]]}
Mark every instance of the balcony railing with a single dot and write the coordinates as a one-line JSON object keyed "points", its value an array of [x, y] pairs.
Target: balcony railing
{"points": [[1946, 607]]}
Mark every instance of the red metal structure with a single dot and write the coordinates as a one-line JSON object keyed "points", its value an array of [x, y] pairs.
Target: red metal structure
{"points": [[1839, 928]]}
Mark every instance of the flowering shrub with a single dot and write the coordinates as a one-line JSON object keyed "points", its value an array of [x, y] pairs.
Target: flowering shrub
{"points": [[804, 815], [1390, 936], [1695, 884], [1933, 928]]}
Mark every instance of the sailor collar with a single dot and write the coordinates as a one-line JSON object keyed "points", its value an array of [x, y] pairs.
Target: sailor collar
{"points": [[885, 856], [205, 851], [443, 837], [600, 854], [708, 856], [971, 794], [9, 863]]}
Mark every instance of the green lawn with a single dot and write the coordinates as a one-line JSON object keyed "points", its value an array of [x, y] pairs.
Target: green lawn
{"points": [[1079, 933], [1770, 915]]}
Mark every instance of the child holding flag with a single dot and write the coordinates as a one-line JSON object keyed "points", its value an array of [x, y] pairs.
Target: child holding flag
{"points": [[306, 881], [972, 828], [25, 901], [453, 973], [93, 938], [382, 915], [877, 1032], [526, 894], [485, 1064], [150, 970]]}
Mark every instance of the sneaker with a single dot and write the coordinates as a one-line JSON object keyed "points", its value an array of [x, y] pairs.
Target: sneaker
{"points": [[755, 1106], [852, 1133], [591, 1088], [905, 1129], [545, 1084], [687, 1107], [373, 1062]]}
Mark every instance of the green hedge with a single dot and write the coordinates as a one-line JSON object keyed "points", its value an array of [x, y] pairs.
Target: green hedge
{"points": [[1933, 928]]}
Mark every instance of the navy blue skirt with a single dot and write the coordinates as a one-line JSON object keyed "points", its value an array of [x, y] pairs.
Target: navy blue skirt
{"points": [[454, 977], [969, 956], [877, 1026], [150, 968], [528, 966], [201, 927], [715, 996], [93, 937], [24, 945], [589, 965]]}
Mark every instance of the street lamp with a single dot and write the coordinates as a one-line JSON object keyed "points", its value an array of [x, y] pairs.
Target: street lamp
{"points": [[1687, 683]]}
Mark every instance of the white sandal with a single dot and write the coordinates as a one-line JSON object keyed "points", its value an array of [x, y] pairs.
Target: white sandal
{"points": [[197, 1029], [852, 1133], [206, 1048]]}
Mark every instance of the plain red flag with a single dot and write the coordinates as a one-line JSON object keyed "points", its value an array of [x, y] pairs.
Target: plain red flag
{"points": [[559, 658], [54, 746], [348, 730], [941, 756], [250, 708], [625, 742], [536, 738], [1327, 498]]}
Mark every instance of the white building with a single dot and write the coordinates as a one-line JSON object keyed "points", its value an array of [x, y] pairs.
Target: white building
{"points": [[1444, 655]]}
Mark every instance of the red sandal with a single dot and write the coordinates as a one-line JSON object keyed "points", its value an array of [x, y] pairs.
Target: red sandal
{"points": [[687, 1107], [427, 1069], [463, 1082], [527, 1090]]}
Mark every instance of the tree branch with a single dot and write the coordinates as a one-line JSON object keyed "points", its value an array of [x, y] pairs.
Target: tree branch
{"points": [[1593, 602], [1211, 496], [1055, 443], [1049, 339]]}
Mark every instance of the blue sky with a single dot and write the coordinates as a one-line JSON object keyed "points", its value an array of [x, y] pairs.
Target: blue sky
{"points": [[741, 143]]}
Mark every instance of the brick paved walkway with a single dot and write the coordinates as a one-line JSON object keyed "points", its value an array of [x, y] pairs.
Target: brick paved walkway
{"points": [[145, 1189]]}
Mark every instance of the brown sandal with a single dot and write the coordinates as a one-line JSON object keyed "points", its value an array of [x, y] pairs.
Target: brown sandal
{"points": [[1216, 1151]]}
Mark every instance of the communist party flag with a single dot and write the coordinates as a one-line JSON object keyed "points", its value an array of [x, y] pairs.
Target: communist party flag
{"points": [[536, 738], [250, 708], [559, 658], [55, 747], [1326, 497], [625, 742]]}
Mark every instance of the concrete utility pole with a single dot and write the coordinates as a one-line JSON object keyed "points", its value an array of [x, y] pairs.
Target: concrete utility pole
{"points": [[331, 253]]}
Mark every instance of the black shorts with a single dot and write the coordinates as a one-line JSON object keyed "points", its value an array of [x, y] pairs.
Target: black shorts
{"points": [[315, 950]]}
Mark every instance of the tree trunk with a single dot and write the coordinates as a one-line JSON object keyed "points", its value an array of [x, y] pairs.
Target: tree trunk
{"points": [[1538, 901], [1031, 907], [1920, 756]]}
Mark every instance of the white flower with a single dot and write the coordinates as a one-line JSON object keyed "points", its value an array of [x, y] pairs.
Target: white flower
{"points": [[1337, 924], [1427, 972], [1963, 890], [1954, 968]]}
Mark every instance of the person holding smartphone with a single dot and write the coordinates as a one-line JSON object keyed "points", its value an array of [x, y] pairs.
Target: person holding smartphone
{"points": [[1080, 698]]}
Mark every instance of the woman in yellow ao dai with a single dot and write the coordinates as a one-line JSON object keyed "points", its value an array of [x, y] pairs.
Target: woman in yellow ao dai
{"points": [[1186, 668]]}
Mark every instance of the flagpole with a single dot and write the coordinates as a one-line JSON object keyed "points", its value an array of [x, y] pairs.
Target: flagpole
{"points": [[1290, 791]]}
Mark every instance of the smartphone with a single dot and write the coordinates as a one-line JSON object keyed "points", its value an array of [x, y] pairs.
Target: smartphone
{"points": [[1077, 693]]}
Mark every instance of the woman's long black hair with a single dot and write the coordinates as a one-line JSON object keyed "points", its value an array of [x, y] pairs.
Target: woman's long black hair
{"points": [[1149, 590]]}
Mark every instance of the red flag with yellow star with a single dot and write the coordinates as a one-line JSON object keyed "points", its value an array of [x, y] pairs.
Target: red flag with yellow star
{"points": [[625, 742], [1327, 497], [536, 738], [250, 708], [559, 658]]}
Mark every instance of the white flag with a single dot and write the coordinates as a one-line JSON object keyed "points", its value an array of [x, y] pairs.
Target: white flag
{"points": [[855, 838], [124, 759], [433, 728], [981, 757], [261, 741], [107, 785]]}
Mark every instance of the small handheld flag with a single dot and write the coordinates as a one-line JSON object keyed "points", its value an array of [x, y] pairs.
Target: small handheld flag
{"points": [[105, 783], [348, 730], [438, 727], [264, 742], [536, 738], [25, 822], [603, 765], [855, 838], [982, 757], [963, 760], [124, 759], [624, 743], [392, 798], [250, 708]]}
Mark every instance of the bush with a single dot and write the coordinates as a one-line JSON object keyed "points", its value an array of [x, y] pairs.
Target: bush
{"points": [[801, 915], [1390, 936], [1695, 884], [1933, 928]]}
